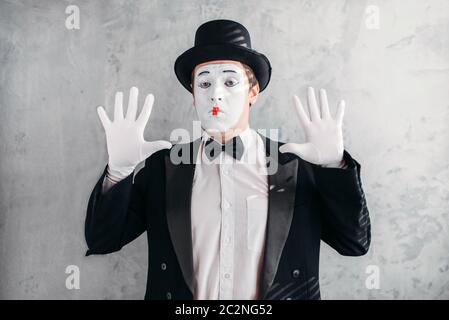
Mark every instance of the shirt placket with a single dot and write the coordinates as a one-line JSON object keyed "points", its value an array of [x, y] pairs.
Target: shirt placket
{"points": [[226, 262]]}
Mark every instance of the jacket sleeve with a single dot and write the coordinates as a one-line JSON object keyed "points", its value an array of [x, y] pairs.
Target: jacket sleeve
{"points": [[345, 221], [116, 217]]}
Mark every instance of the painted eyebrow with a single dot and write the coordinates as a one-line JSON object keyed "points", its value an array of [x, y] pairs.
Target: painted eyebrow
{"points": [[206, 72]]}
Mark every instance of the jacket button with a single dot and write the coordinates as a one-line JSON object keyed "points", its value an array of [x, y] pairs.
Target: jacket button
{"points": [[295, 273], [169, 295], [163, 266]]}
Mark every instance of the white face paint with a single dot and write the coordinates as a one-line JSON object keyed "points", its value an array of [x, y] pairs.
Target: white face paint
{"points": [[221, 91]]}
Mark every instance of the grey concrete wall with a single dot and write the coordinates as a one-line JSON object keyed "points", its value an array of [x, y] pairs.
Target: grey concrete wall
{"points": [[52, 147]]}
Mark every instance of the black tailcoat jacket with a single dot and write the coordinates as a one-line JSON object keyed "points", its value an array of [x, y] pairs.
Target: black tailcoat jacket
{"points": [[306, 204]]}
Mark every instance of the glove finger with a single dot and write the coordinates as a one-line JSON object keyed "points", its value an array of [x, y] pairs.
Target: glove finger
{"points": [[103, 117], [118, 108], [340, 112], [303, 118], [324, 104], [132, 104], [313, 106], [305, 151], [146, 110]]}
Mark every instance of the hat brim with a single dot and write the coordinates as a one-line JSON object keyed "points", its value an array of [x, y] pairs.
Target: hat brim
{"points": [[186, 62]]}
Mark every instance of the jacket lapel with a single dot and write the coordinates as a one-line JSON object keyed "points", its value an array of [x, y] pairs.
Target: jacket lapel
{"points": [[281, 200], [179, 182]]}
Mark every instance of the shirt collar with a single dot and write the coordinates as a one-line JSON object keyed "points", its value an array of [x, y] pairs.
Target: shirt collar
{"points": [[246, 136]]}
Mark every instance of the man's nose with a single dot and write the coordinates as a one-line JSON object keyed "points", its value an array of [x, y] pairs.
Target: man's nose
{"points": [[217, 94], [216, 99]]}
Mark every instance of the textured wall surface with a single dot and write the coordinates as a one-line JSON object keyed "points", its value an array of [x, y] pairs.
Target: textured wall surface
{"points": [[395, 80]]}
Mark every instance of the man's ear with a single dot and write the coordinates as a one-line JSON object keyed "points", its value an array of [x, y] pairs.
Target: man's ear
{"points": [[253, 94]]}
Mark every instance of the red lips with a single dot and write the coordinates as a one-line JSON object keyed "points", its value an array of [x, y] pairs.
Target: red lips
{"points": [[215, 110]]}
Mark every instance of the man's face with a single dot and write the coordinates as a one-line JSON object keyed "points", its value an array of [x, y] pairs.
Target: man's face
{"points": [[221, 94]]}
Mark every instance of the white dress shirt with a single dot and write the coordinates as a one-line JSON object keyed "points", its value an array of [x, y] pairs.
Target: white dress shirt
{"points": [[229, 210]]}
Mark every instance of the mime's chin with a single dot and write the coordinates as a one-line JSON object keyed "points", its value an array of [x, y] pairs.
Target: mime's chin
{"points": [[215, 127]]}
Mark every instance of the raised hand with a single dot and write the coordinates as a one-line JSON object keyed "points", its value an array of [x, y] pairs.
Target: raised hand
{"points": [[324, 135], [124, 136]]}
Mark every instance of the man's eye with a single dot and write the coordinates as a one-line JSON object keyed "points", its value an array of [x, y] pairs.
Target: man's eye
{"points": [[231, 83], [204, 84]]}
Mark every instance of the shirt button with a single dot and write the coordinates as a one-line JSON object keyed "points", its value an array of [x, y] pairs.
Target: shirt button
{"points": [[163, 266], [226, 205], [295, 273], [227, 275], [169, 295]]}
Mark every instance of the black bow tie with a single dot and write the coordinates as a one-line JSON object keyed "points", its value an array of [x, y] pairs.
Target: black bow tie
{"points": [[233, 147]]}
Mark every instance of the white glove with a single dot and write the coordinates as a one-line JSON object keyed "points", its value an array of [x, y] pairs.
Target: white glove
{"points": [[324, 135], [124, 137]]}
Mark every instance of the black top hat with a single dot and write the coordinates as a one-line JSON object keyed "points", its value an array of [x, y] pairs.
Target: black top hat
{"points": [[222, 40]]}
